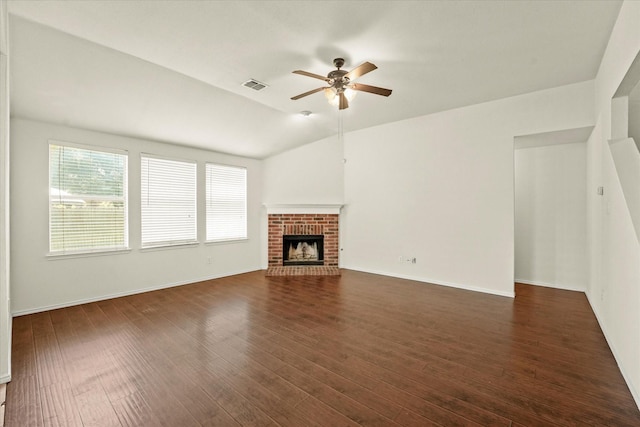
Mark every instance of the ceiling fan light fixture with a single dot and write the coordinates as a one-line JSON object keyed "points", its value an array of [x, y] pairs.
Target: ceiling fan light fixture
{"points": [[331, 93], [350, 93]]}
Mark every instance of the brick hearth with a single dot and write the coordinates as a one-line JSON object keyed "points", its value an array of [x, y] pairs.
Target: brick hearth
{"points": [[305, 224], [306, 270]]}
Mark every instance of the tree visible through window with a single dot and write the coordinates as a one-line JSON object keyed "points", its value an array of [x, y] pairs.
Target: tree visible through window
{"points": [[87, 200]]}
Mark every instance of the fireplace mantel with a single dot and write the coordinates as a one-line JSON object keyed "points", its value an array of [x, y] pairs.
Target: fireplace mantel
{"points": [[303, 208]]}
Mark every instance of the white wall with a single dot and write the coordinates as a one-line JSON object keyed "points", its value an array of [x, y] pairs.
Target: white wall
{"points": [[440, 188], [40, 282], [5, 317], [634, 121], [626, 160], [633, 116], [614, 282], [310, 174], [550, 218]]}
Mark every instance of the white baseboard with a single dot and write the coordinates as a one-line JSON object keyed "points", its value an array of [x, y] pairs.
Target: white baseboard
{"points": [[126, 293], [435, 282], [549, 285], [634, 392]]}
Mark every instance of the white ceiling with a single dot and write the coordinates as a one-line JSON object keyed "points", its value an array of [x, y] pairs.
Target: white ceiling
{"points": [[173, 70]]}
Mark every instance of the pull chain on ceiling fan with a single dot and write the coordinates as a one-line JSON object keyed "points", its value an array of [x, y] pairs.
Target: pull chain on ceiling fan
{"points": [[340, 83]]}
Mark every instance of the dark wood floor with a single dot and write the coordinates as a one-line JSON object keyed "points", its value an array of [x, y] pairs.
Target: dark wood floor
{"points": [[354, 350]]}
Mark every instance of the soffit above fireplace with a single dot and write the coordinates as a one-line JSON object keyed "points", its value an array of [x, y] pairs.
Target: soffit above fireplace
{"points": [[303, 208]]}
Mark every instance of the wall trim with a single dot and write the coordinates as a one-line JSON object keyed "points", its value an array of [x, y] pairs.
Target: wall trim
{"points": [[329, 209], [4, 379], [124, 294], [549, 285], [634, 392], [435, 282]]}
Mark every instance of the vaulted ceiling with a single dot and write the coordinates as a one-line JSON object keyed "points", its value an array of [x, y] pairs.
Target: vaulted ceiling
{"points": [[172, 71]]}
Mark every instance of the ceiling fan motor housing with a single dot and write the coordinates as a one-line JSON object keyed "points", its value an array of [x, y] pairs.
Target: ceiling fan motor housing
{"points": [[336, 77]]}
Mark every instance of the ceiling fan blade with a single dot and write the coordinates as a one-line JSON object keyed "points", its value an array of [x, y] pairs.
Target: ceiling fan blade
{"points": [[370, 89], [344, 103], [360, 70], [308, 74], [302, 95]]}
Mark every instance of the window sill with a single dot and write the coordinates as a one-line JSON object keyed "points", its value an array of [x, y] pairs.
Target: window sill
{"points": [[68, 255], [226, 242], [169, 246]]}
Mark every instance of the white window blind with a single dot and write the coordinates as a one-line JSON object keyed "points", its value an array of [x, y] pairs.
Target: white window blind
{"points": [[168, 202], [226, 202], [87, 200]]}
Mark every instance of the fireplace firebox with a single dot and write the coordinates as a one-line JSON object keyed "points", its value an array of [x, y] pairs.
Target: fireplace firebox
{"points": [[302, 249]]}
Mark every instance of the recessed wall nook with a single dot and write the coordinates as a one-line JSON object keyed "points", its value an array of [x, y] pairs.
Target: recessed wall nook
{"points": [[303, 240]]}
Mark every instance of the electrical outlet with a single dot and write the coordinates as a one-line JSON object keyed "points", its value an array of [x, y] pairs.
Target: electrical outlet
{"points": [[413, 260], [208, 260]]}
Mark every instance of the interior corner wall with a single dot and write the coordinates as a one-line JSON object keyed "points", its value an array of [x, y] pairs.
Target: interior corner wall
{"points": [[40, 282], [614, 282], [550, 219], [310, 174], [440, 189]]}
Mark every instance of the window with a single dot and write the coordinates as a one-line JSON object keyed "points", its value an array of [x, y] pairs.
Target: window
{"points": [[226, 202], [87, 200], [168, 202]]}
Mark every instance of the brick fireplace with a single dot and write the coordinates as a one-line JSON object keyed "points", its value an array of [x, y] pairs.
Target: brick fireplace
{"points": [[303, 225]]}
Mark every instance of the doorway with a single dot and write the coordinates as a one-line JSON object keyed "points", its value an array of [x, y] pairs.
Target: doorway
{"points": [[550, 209]]}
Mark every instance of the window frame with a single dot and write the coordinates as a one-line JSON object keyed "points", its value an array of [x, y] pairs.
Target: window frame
{"points": [[99, 250], [160, 244], [232, 239]]}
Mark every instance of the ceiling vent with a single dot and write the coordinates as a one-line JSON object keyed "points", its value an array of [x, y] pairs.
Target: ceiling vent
{"points": [[254, 84]]}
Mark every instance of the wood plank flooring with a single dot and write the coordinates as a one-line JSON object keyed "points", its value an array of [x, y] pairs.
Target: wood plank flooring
{"points": [[356, 349]]}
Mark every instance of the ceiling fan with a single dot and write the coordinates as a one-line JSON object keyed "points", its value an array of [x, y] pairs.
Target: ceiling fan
{"points": [[341, 89]]}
